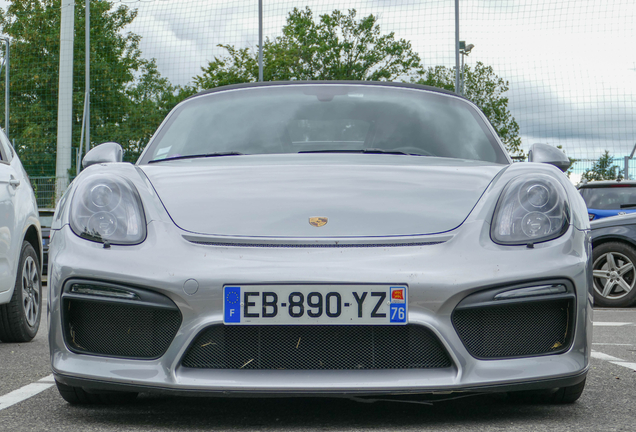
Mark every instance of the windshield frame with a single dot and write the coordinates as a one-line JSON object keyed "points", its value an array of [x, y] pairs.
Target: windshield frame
{"points": [[502, 154]]}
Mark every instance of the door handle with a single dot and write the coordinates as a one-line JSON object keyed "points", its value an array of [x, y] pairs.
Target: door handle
{"points": [[14, 182]]}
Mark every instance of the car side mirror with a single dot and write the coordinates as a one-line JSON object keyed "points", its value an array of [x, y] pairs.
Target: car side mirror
{"points": [[544, 153], [103, 153]]}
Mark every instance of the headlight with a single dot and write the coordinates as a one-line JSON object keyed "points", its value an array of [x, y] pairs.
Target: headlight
{"points": [[531, 209], [108, 209]]}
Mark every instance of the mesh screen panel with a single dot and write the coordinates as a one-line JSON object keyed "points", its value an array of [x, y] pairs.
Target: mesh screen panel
{"points": [[316, 347], [118, 330], [516, 330], [557, 72]]}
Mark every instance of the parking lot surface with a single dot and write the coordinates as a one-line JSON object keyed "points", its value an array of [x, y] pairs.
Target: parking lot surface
{"points": [[30, 401]]}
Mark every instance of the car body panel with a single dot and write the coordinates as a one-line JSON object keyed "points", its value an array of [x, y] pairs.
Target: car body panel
{"points": [[621, 228], [375, 196], [601, 214], [18, 213], [434, 289], [8, 225]]}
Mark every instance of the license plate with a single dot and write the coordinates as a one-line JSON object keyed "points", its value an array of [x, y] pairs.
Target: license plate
{"points": [[315, 304]]}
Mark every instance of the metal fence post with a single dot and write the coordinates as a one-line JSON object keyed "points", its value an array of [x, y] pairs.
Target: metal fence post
{"points": [[7, 89], [260, 40], [65, 99], [457, 89], [87, 60], [5, 64]]}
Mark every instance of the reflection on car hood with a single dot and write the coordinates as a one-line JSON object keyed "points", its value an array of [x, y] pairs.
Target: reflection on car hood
{"points": [[360, 195]]}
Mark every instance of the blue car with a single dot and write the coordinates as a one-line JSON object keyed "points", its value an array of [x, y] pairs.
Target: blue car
{"points": [[614, 256], [609, 198]]}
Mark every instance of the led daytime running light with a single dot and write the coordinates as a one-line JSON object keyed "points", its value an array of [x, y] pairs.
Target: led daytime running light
{"points": [[103, 291]]}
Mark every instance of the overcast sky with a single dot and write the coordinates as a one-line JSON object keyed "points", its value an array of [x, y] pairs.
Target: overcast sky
{"points": [[571, 64]]}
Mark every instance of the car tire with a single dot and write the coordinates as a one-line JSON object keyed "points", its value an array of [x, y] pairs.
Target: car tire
{"points": [[568, 395], [560, 396], [79, 396], [614, 269], [20, 318]]}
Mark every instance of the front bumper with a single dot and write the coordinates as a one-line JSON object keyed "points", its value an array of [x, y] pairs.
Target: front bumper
{"points": [[439, 276]]}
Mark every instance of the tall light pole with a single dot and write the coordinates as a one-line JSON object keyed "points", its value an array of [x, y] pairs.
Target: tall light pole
{"points": [[65, 99], [260, 40], [464, 50], [85, 135], [87, 84], [7, 56], [457, 90]]}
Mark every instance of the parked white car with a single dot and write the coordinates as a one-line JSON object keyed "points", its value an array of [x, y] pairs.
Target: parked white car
{"points": [[20, 251]]}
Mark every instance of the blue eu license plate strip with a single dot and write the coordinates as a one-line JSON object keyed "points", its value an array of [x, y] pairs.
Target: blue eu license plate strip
{"points": [[232, 308]]}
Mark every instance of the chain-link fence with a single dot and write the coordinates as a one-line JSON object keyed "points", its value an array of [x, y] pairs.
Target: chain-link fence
{"points": [[564, 72]]}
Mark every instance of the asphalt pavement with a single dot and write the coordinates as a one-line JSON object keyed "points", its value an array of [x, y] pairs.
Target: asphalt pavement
{"points": [[30, 402]]}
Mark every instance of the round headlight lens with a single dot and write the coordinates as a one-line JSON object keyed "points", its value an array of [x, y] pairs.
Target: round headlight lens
{"points": [[535, 225], [536, 195], [104, 224], [105, 196], [530, 209], [108, 209]]}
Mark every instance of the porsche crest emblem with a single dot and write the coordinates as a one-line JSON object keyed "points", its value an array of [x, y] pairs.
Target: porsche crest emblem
{"points": [[318, 221]]}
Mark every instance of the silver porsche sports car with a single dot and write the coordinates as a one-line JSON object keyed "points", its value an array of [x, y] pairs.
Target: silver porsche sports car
{"points": [[332, 238]]}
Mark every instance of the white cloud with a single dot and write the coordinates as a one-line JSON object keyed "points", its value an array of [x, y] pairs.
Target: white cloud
{"points": [[570, 63]]}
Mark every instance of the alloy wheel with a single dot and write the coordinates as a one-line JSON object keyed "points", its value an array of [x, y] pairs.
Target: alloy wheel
{"points": [[30, 291], [614, 275]]}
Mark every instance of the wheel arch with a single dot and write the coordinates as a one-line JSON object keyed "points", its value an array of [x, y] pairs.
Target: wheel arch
{"points": [[614, 238], [33, 237]]}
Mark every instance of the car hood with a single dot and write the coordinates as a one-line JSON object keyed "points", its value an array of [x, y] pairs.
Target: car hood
{"points": [[359, 195]]}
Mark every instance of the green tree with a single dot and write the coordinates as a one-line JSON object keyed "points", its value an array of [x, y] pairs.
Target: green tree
{"points": [[603, 169], [486, 90], [336, 46], [128, 96]]}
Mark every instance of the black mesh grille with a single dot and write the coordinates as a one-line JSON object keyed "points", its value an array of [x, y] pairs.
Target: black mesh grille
{"points": [[119, 330], [516, 330], [316, 347]]}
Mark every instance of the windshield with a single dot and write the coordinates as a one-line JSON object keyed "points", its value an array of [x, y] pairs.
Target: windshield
{"points": [[323, 118], [609, 198]]}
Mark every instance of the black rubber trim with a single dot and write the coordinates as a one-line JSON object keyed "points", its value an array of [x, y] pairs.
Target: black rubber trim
{"points": [[545, 384], [345, 82], [315, 246]]}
